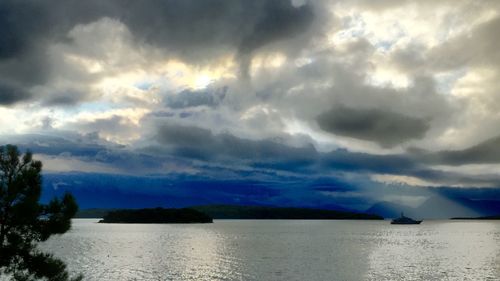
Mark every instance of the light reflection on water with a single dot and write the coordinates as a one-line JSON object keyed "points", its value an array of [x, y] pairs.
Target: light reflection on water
{"points": [[437, 250], [283, 250]]}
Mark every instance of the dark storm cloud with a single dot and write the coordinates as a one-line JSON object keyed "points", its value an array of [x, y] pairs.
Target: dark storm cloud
{"points": [[85, 148], [193, 98], [191, 142], [258, 159], [194, 142], [383, 127], [10, 95], [115, 125], [67, 97], [79, 146], [20, 29], [342, 159], [27, 28], [195, 31], [192, 27], [486, 152], [280, 21]]}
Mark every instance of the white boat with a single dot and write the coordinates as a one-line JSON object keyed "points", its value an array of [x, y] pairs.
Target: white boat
{"points": [[404, 220]]}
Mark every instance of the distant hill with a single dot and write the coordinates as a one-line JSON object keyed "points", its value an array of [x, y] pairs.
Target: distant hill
{"points": [[438, 207], [156, 215], [262, 212]]}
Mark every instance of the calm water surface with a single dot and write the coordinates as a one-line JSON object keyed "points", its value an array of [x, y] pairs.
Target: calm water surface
{"points": [[282, 250]]}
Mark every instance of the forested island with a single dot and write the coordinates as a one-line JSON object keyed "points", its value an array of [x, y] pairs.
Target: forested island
{"points": [[156, 215]]}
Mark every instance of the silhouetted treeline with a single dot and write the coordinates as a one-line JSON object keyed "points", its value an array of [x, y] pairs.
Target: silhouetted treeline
{"points": [[157, 215], [93, 213], [479, 218]]}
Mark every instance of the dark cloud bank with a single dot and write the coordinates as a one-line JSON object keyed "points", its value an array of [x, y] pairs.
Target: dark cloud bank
{"points": [[384, 127], [263, 172], [194, 31], [486, 152]]}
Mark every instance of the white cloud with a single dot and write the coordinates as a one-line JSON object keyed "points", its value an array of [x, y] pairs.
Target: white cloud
{"points": [[72, 164], [402, 180]]}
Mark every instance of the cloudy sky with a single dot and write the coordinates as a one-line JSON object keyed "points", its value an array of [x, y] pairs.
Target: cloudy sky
{"points": [[306, 103]]}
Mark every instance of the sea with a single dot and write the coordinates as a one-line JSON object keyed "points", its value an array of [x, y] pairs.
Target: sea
{"points": [[281, 250]]}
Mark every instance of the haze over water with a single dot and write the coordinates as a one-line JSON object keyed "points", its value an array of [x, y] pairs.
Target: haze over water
{"points": [[282, 250]]}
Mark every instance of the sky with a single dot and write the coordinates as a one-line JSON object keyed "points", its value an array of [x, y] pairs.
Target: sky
{"points": [[335, 104]]}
